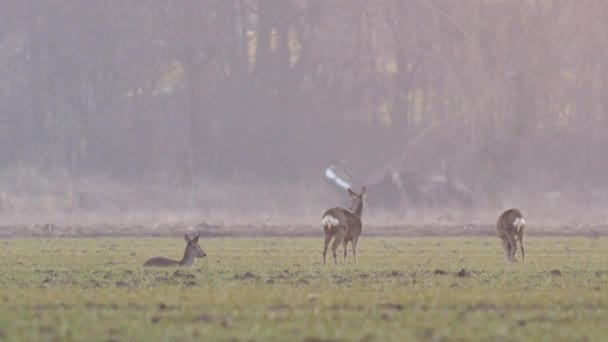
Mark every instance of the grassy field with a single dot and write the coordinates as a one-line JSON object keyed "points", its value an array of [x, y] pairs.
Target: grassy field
{"points": [[276, 289]]}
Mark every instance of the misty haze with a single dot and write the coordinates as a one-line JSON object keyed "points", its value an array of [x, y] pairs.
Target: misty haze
{"points": [[264, 112], [303, 170]]}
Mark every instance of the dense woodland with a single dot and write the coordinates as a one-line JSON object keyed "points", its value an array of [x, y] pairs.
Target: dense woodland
{"points": [[501, 95]]}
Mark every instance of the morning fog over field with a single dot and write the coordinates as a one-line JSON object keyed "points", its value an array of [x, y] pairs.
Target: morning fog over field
{"points": [[165, 166], [236, 112]]}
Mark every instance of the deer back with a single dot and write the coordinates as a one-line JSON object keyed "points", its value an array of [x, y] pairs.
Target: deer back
{"points": [[344, 218], [506, 220], [161, 261]]}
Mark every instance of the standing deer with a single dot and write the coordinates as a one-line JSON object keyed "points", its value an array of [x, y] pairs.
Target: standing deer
{"points": [[344, 225], [510, 227], [193, 251]]}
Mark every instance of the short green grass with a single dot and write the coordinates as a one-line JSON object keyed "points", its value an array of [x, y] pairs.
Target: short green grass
{"points": [[277, 289]]}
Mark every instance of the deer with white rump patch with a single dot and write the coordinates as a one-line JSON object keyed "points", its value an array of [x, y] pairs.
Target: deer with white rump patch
{"points": [[510, 227], [344, 225], [193, 251]]}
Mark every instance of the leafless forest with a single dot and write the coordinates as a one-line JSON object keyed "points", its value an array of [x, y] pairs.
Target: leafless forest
{"points": [[230, 111]]}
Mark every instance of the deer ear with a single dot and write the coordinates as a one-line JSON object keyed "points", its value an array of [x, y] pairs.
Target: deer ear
{"points": [[351, 192], [363, 190], [195, 239], [186, 237]]}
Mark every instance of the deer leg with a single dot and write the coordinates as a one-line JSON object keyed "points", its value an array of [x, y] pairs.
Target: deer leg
{"points": [[345, 246], [512, 247], [354, 245], [505, 248], [520, 237], [339, 238], [327, 239], [514, 251]]}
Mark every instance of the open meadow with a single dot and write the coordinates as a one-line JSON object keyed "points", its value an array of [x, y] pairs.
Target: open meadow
{"points": [[264, 289]]}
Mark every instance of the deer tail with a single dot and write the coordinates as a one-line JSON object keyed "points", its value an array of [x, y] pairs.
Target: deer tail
{"points": [[519, 223], [329, 221]]}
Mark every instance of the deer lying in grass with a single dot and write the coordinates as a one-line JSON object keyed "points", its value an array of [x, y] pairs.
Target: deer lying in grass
{"points": [[510, 227], [193, 251], [344, 226]]}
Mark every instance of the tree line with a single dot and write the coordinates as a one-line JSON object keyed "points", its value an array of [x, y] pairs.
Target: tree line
{"points": [[496, 92]]}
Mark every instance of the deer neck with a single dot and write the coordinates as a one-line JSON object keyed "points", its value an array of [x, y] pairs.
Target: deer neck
{"points": [[188, 259], [358, 210]]}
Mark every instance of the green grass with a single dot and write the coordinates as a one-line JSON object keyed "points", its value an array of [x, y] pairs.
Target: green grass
{"points": [[277, 289]]}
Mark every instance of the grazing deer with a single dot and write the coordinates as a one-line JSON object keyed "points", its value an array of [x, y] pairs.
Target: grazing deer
{"points": [[193, 251], [344, 226], [510, 227]]}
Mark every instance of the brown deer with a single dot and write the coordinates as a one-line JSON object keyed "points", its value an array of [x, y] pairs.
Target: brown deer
{"points": [[344, 225], [193, 251], [510, 227]]}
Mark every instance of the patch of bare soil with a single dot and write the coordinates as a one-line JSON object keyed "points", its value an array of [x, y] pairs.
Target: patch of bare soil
{"points": [[261, 230]]}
